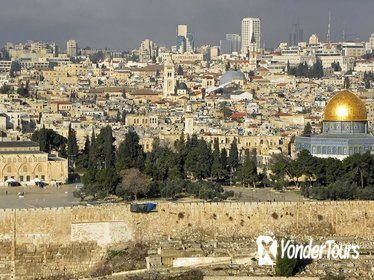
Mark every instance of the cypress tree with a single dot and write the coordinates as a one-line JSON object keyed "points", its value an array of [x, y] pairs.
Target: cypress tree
{"points": [[87, 145], [130, 153], [233, 156], [224, 158], [92, 163], [72, 146], [347, 83], [109, 152], [43, 140]]}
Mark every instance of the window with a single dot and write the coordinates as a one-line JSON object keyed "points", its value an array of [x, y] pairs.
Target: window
{"points": [[21, 178], [43, 177], [5, 178], [27, 178]]}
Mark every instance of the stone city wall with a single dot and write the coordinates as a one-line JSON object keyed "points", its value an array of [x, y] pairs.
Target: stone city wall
{"points": [[36, 243]]}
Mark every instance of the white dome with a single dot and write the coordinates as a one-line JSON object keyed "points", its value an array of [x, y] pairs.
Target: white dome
{"points": [[230, 76]]}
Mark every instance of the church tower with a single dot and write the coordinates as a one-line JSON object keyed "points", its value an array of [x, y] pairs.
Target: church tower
{"points": [[252, 49], [169, 78]]}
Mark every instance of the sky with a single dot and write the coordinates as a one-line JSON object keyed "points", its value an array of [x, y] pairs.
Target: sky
{"points": [[123, 24]]}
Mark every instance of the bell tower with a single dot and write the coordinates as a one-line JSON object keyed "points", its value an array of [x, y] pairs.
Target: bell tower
{"points": [[169, 78], [252, 49]]}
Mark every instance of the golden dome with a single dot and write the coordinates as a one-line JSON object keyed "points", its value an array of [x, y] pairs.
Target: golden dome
{"points": [[345, 106]]}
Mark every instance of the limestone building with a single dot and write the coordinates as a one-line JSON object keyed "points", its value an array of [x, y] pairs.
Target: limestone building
{"points": [[250, 27], [344, 130], [23, 161], [71, 48]]}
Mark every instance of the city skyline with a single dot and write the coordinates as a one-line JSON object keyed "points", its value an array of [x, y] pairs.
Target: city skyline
{"points": [[102, 25]]}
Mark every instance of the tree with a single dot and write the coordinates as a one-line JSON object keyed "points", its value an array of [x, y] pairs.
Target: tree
{"points": [[285, 266], [6, 89], [97, 57], [233, 160], [173, 187], [43, 140], [198, 160], [280, 166], [130, 153], [92, 151], [100, 182], [336, 66], [23, 90], [180, 70], [72, 146], [109, 150], [223, 159], [102, 151], [248, 171], [83, 156], [218, 170], [133, 182], [50, 141], [307, 129], [347, 83]]}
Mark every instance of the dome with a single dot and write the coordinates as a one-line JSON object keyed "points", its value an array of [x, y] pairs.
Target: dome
{"points": [[345, 106], [182, 86], [230, 76]]}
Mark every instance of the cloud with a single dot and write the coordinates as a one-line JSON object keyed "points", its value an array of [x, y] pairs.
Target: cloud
{"points": [[123, 24]]}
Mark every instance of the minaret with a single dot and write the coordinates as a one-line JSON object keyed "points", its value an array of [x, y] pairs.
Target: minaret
{"points": [[169, 78]]}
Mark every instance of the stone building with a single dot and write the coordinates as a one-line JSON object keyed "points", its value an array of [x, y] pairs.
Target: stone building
{"points": [[344, 131], [23, 161]]}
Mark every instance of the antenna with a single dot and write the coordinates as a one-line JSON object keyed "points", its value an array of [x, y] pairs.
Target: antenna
{"points": [[329, 29]]}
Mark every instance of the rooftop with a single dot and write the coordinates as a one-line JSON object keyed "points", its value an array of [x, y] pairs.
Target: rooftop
{"points": [[13, 144]]}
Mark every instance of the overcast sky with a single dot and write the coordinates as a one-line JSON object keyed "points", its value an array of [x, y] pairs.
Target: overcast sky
{"points": [[123, 24]]}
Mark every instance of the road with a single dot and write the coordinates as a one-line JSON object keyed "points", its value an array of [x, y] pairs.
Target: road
{"points": [[59, 197], [265, 194], [36, 197]]}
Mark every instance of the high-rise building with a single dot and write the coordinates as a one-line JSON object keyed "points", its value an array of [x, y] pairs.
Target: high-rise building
{"points": [[371, 40], [71, 48], [250, 27], [181, 44], [148, 51], [231, 44], [182, 30], [185, 41], [296, 35], [54, 48], [190, 43]]}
